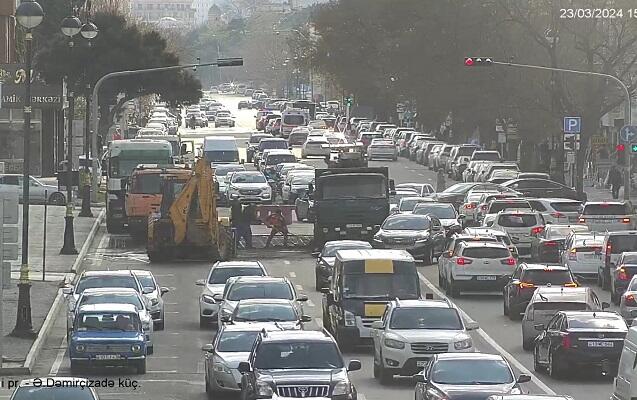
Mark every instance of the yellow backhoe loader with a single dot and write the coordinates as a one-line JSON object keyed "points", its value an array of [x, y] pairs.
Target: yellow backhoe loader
{"points": [[187, 225]]}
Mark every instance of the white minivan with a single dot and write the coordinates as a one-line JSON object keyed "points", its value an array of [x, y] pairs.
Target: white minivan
{"points": [[623, 388], [221, 150]]}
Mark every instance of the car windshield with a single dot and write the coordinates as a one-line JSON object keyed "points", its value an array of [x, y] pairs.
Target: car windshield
{"points": [[442, 211], [223, 170], [396, 197], [546, 276], [574, 206], [302, 179], [425, 318], [389, 286], [488, 252], [269, 290], [596, 321], [622, 243], [298, 355], [606, 209], [410, 204], [298, 120], [517, 220], [108, 322], [264, 313], [219, 276], [341, 187], [280, 158], [498, 206], [106, 281], [236, 341], [486, 156], [256, 138], [330, 250], [459, 188], [471, 372], [52, 392], [410, 223], [113, 298], [248, 178], [466, 150], [146, 184], [630, 258], [272, 144], [146, 281]]}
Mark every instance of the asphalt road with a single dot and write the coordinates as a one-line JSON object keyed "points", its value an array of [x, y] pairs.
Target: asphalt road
{"points": [[175, 371]]}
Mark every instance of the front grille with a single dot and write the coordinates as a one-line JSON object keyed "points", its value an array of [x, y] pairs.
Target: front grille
{"points": [[367, 322], [429, 348], [303, 391], [400, 241], [249, 191], [108, 348]]}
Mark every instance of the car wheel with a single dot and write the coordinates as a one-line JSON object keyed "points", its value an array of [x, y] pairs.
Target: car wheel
{"points": [[75, 367], [554, 367], [528, 345], [605, 283], [513, 313], [454, 290], [537, 367], [344, 344], [318, 282], [384, 375], [203, 322], [441, 282], [505, 309], [150, 350], [57, 199], [159, 325], [428, 257], [114, 227], [141, 367], [614, 297]]}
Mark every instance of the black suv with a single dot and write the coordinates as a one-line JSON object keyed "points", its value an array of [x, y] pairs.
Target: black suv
{"points": [[296, 364]]}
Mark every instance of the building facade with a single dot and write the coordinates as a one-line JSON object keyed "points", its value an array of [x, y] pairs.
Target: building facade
{"points": [[154, 11]]}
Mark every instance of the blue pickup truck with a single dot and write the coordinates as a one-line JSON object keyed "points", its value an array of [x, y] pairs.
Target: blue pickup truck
{"points": [[107, 335]]}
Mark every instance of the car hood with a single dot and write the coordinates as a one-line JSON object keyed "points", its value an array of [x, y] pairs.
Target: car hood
{"points": [[474, 392], [430, 335], [250, 185], [449, 222], [302, 376], [409, 234], [106, 336], [232, 359], [285, 325]]}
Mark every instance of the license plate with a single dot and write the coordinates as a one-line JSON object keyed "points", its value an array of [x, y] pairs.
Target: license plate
{"points": [[592, 256], [354, 225], [600, 344], [422, 363], [572, 219], [487, 278], [107, 357]]}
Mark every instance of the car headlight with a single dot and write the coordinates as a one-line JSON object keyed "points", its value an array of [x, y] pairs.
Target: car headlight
{"points": [[341, 388], [516, 390], [221, 367], [264, 390], [394, 344], [463, 344], [350, 319], [435, 394], [206, 298], [136, 348], [80, 348], [422, 239]]}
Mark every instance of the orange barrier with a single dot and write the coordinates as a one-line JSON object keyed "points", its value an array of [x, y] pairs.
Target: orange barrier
{"points": [[264, 210]]}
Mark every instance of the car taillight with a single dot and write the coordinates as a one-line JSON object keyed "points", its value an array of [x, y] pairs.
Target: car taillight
{"points": [[526, 285], [622, 275], [557, 215], [572, 255], [630, 300], [536, 230], [469, 206], [508, 261], [550, 243], [484, 207], [571, 284], [626, 220], [582, 220], [566, 341], [463, 261]]}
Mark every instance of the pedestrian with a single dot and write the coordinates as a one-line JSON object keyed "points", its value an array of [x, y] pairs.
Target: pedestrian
{"points": [[277, 223], [615, 180], [440, 180], [245, 228], [117, 135]]}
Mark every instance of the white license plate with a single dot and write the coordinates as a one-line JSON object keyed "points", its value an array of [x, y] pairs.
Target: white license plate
{"points": [[422, 363], [600, 344], [592, 256], [107, 357], [486, 278], [354, 225]]}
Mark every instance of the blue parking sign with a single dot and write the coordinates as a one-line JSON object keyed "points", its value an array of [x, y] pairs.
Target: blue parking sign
{"points": [[572, 124]]}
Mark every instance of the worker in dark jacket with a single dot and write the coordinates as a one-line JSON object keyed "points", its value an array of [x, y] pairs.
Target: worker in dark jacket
{"points": [[615, 179]]}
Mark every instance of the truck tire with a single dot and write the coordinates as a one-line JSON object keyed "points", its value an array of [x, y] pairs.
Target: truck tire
{"points": [[141, 367], [113, 226], [75, 367]]}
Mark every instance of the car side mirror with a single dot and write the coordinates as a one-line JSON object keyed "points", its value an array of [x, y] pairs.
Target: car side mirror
{"points": [[200, 282], [207, 347], [354, 365], [524, 378], [244, 367], [315, 254], [302, 297], [605, 305], [420, 378], [376, 227], [163, 290], [378, 325], [225, 318], [67, 291], [462, 216], [538, 327], [306, 318], [472, 326], [392, 185]]}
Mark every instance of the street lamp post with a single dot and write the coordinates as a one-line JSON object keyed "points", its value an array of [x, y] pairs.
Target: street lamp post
{"points": [[71, 26], [89, 32], [29, 15]]}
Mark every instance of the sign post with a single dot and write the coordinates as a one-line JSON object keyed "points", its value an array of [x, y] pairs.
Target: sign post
{"points": [[8, 246], [628, 135]]}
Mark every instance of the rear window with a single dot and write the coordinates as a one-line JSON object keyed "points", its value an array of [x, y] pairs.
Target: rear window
{"points": [[280, 158], [272, 144], [466, 151], [560, 306], [589, 321], [543, 277], [147, 184], [567, 207], [589, 249], [294, 120], [485, 156], [517, 221], [606, 209], [620, 244], [485, 252], [503, 205]]}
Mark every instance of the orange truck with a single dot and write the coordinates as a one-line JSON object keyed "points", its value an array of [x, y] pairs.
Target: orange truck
{"points": [[144, 193]]}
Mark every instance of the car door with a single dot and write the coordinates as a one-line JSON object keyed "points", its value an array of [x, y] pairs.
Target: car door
{"points": [[552, 336], [378, 335]]}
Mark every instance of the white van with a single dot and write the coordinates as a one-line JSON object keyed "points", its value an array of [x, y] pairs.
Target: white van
{"points": [[292, 118], [221, 150], [623, 388]]}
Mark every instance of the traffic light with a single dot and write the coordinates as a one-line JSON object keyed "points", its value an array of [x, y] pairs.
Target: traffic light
{"points": [[349, 101], [633, 148], [478, 62], [621, 150]]}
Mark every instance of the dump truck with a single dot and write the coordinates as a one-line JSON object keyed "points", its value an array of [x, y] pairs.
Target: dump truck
{"points": [[144, 193], [351, 155], [187, 225], [121, 158]]}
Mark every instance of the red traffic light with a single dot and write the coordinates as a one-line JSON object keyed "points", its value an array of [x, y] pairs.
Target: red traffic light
{"points": [[477, 61], [620, 147], [468, 61]]}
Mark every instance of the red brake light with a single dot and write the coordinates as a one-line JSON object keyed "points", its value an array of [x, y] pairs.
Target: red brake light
{"points": [[526, 285], [630, 300], [537, 229], [622, 276], [582, 220], [550, 243], [508, 261], [557, 215], [566, 341], [469, 206], [626, 220], [463, 261]]}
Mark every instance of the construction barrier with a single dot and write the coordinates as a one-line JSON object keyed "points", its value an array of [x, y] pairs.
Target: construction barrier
{"points": [[264, 210]]}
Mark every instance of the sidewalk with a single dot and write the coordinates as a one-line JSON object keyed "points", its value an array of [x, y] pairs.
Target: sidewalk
{"points": [[596, 193], [20, 354]]}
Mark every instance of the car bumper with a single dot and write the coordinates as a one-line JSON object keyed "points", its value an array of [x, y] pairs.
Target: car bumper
{"points": [[416, 250], [250, 199], [480, 282], [381, 154], [588, 359], [585, 268], [407, 363], [123, 361]]}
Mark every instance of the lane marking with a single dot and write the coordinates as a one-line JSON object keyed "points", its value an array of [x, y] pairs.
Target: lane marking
{"points": [[156, 357], [163, 275], [173, 371], [286, 262], [171, 304], [171, 312], [299, 287], [58, 358], [310, 303], [100, 252], [419, 174], [485, 336], [292, 274]]}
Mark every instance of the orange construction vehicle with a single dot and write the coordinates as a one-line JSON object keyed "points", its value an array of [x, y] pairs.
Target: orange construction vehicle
{"points": [[144, 193]]}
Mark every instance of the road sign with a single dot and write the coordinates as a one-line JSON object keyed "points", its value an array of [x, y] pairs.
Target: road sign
{"points": [[10, 207], [502, 137], [628, 133], [572, 124], [571, 142], [599, 140]]}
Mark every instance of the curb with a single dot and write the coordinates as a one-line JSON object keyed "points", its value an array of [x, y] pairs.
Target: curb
{"points": [[43, 333]]}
